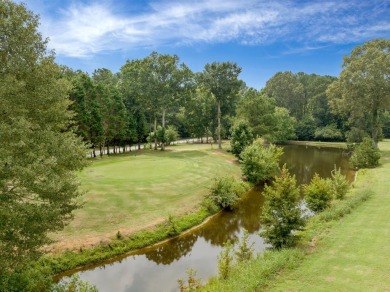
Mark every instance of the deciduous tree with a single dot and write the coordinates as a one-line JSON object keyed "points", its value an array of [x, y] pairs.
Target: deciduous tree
{"points": [[364, 84], [39, 155]]}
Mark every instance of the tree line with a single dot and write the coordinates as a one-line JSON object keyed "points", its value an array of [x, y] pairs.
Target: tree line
{"points": [[158, 99]]}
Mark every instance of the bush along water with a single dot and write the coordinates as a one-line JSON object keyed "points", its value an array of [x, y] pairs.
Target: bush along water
{"points": [[365, 155]]}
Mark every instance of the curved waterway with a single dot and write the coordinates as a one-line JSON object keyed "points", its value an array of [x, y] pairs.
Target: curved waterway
{"points": [[158, 268]]}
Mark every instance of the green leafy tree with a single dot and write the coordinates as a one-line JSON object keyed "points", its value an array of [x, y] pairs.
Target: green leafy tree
{"points": [[318, 194], [284, 127], [281, 213], [364, 87], [259, 162], [258, 110], [288, 92], [221, 79], [365, 155], [40, 156], [241, 137]]}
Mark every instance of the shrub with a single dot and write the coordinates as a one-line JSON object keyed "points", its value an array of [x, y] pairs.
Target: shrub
{"points": [[226, 191], [225, 260], [339, 184], [366, 155], [260, 163], [241, 137], [281, 211], [355, 135], [328, 133], [318, 194]]}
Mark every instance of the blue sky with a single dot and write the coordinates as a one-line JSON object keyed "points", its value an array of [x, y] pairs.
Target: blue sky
{"points": [[263, 37]]}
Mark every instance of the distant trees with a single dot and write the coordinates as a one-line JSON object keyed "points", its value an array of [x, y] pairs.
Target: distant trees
{"points": [[221, 79], [40, 154], [363, 89]]}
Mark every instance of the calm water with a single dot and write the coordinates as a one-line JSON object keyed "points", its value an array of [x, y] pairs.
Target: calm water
{"points": [[159, 267]]}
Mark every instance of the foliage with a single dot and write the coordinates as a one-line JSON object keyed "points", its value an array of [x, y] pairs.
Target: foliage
{"points": [[171, 135], [75, 284], [284, 127], [288, 92], [225, 260], [221, 79], [339, 184], [356, 135], [226, 192], [305, 128], [281, 211], [40, 155], [241, 137], [260, 163], [318, 194], [328, 133], [193, 284], [258, 110], [363, 89], [366, 155], [245, 250]]}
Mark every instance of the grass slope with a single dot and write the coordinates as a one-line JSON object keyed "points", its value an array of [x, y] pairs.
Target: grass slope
{"points": [[354, 255], [133, 191]]}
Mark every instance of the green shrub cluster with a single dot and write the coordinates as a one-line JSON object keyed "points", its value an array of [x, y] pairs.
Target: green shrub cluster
{"points": [[260, 163], [318, 194], [366, 155], [226, 192]]}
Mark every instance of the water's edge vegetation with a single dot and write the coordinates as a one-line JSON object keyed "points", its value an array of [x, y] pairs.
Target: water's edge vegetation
{"points": [[258, 273], [70, 261]]}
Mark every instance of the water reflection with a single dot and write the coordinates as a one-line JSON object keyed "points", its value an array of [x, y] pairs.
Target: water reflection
{"points": [[157, 268]]}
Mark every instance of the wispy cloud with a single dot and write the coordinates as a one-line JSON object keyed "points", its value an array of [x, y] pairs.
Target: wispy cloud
{"points": [[84, 29]]}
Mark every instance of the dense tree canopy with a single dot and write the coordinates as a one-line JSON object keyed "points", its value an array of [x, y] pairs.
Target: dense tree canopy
{"points": [[222, 81], [39, 155], [364, 84]]}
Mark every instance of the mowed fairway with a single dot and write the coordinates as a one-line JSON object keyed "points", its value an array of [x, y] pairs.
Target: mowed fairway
{"points": [[137, 190]]}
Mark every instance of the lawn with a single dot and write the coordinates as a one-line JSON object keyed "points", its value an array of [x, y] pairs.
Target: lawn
{"points": [[137, 190], [354, 255]]}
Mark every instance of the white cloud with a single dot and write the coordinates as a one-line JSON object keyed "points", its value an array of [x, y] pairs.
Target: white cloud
{"points": [[82, 30]]}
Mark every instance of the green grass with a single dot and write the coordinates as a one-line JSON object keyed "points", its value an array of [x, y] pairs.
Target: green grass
{"points": [[344, 248], [137, 190], [354, 255], [342, 145]]}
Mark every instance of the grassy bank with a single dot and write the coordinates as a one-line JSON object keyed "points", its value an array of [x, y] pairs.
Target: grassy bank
{"points": [[338, 145], [136, 191], [354, 254], [342, 249]]}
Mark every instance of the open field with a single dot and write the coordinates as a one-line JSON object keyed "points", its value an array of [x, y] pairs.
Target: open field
{"points": [[354, 255], [137, 190]]}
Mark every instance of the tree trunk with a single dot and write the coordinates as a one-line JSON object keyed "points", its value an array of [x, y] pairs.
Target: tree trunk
{"points": [[139, 145], [108, 149], [375, 127], [101, 149], [155, 132], [163, 130], [93, 151], [219, 125]]}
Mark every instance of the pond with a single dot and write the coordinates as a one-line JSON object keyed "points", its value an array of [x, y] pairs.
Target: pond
{"points": [[158, 268]]}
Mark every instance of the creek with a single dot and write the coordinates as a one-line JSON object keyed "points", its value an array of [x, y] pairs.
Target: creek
{"points": [[158, 268]]}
